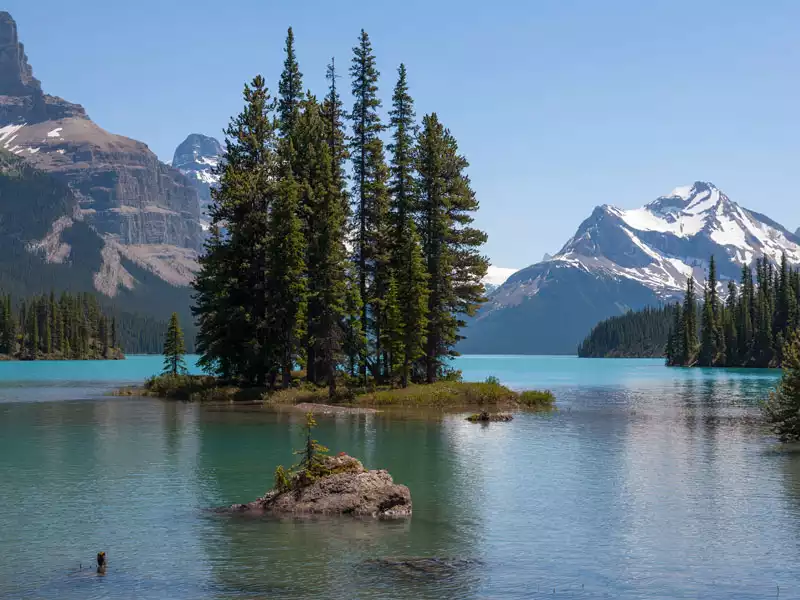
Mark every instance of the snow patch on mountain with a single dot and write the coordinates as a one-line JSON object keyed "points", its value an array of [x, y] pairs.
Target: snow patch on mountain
{"points": [[663, 243]]}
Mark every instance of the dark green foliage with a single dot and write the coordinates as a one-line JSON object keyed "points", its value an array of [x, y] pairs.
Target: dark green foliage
{"points": [[639, 334], [370, 182], [276, 289], [782, 410], [232, 295], [450, 244], [749, 330], [285, 283], [290, 88], [74, 327], [174, 348]]}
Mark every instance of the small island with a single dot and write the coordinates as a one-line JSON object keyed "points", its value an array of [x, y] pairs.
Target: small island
{"points": [[330, 485], [67, 327]]}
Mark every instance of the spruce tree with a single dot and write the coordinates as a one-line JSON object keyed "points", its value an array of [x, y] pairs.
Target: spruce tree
{"points": [[450, 244], [744, 323], [674, 351], [32, 332], [236, 294], [392, 332], [402, 157], [286, 283], [355, 340], [731, 334], [324, 230], [290, 88], [370, 176], [413, 296], [174, 348], [689, 342]]}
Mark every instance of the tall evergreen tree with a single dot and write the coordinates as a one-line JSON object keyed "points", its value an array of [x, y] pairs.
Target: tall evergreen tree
{"points": [[402, 157], [232, 286], [290, 88], [413, 296], [174, 348], [286, 283], [689, 342], [729, 323], [711, 335], [370, 176], [450, 244], [324, 229]]}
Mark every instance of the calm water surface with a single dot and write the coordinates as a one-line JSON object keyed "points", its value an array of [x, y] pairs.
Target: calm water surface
{"points": [[647, 483]]}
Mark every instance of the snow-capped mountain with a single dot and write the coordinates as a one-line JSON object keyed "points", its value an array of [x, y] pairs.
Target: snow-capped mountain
{"points": [[196, 157], [621, 259]]}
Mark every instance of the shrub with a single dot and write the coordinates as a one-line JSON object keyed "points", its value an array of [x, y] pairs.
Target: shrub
{"points": [[492, 379], [537, 398]]}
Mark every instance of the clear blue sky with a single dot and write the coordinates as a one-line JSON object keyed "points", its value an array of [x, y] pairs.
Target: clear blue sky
{"points": [[560, 105]]}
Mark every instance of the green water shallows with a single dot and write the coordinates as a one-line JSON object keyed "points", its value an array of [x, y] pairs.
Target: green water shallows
{"points": [[648, 482]]}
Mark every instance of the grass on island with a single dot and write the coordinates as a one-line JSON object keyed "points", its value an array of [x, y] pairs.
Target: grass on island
{"points": [[450, 394]]}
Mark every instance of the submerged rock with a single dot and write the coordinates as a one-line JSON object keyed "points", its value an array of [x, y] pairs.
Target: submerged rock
{"points": [[424, 566], [487, 417], [350, 489]]}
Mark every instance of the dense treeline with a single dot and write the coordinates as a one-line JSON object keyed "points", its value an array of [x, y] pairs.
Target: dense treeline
{"points": [[636, 334], [748, 329], [67, 327], [372, 277], [73, 327]]}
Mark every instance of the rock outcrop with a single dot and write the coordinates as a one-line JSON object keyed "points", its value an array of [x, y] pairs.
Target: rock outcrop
{"points": [[350, 489], [124, 191]]}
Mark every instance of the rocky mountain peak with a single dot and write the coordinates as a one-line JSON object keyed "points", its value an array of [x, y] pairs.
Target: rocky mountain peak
{"points": [[21, 97], [194, 149], [197, 157], [16, 75]]}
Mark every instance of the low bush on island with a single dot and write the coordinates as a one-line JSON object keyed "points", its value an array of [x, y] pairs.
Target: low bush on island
{"points": [[443, 394]]}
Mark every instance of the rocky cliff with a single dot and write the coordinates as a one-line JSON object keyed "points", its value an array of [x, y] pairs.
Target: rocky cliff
{"points": [[124, 192]]}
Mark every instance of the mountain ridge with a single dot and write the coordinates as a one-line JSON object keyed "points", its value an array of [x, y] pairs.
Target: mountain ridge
{"points": [[623, 259], [143, 211]]}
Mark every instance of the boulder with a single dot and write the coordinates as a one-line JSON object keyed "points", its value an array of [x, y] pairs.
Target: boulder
{"points": [[349, 489]]}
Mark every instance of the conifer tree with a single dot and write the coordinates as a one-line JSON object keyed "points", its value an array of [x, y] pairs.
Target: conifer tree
{"points": [[324, 229], [674, 351], [286, 283], [731, 334], [290, 88], [413, 297], [450, 244], [114, 340], [333, 113], [174, 348], [744, 325], [355, 341], [782, 410], [32, 332], [232, 285], [689, 343], [392, 332], [402, 156], [370, 176]]}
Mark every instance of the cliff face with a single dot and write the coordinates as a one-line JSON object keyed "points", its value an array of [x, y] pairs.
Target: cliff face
{"points": [[124, 191]]}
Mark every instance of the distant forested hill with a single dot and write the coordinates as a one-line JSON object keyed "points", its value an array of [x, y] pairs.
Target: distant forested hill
{"points": [[636, 334]]}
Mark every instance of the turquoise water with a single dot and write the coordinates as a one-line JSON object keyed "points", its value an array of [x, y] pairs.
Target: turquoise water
{"points": [[646, 483]]}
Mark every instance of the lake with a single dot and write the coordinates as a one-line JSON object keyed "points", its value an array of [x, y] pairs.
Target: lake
{"points": [[647, 482]]}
